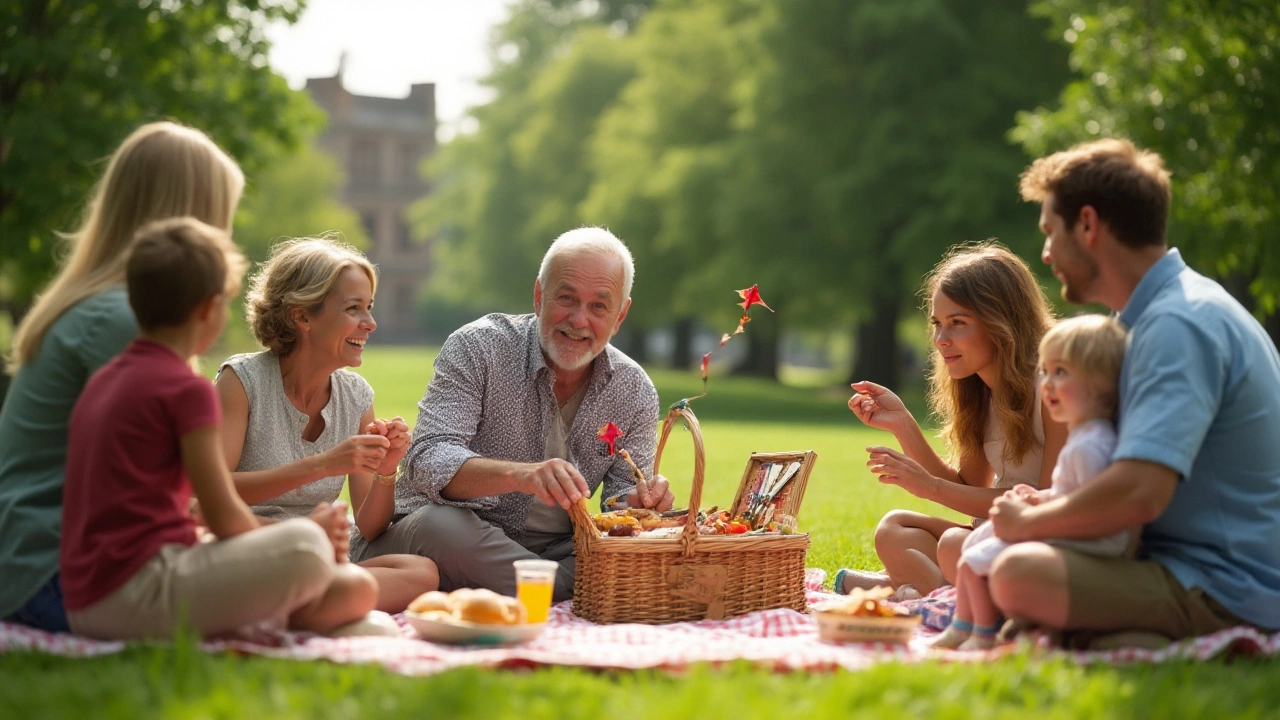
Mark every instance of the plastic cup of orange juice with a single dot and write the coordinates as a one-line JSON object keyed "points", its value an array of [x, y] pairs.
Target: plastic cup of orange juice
{"points": [[535, 579]]}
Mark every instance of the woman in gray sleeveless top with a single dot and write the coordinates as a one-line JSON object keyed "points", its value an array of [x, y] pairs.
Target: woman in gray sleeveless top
{"points": [[297, 423], [988, 314]]}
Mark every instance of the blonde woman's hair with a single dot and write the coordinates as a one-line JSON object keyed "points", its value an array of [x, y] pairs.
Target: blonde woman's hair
{"points": [[299, 274], [1093, 346], [161, 170], [999, 289]]}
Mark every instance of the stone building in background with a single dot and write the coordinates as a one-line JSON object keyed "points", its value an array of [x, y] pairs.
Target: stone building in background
{"points": [[381, 143]]}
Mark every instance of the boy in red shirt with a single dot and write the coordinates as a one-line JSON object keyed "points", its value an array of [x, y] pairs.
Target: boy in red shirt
{"points": [[143, 436]]}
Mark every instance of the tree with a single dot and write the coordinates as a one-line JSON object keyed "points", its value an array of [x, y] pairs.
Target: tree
{"points": [[874, 137], [506, 190], [295, 195], [77, 77], [660, 160], [1199, 82]]}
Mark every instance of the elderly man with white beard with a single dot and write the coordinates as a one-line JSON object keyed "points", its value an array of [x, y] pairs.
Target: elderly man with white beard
{"points": [[507, 431]]}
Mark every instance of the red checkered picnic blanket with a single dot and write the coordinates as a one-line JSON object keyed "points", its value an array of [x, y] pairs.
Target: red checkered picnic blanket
{"points": [[779, 639]]}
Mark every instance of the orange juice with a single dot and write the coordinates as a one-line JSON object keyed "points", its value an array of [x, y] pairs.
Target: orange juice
{"points": [[536, 598]]}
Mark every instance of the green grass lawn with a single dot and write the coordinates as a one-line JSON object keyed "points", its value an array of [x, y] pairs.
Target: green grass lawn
{"points": [[842, 504]]}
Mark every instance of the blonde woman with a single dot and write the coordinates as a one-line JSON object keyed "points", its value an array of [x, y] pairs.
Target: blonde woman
{"points": [[988, 314], [297, 423], [80, 321]]}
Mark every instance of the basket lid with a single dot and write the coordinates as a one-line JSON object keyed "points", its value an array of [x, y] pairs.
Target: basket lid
{"points": [[785, 474]]}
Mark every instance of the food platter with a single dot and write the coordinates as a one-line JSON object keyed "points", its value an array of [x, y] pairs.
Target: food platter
{"points": [[458, 632], [842, 628]]}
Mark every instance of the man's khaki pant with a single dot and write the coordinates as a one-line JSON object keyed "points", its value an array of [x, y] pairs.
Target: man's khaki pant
{"points": [[470, 552], [216, 587]]}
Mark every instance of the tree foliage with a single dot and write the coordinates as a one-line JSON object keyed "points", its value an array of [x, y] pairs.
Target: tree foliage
{"points": [[507, 190], [77, 77], [294, 195], [1199, 82]]}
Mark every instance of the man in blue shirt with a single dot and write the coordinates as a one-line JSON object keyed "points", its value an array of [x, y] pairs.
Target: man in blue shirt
{"points": [[1198, 461]]}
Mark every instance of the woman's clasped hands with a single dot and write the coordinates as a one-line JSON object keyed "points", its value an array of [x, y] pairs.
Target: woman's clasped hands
{"points": [[378, 450]]}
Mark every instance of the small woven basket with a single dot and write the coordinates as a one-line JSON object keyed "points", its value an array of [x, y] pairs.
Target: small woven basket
{"points": [[692, 576]]}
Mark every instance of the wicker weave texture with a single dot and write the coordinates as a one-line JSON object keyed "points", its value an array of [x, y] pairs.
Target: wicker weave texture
{"points": [[690, 577]]}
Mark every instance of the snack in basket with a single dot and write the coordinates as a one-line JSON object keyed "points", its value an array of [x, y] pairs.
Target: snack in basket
{"points": [[477, 606]]}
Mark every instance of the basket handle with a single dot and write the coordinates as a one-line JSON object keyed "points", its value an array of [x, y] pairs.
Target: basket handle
{"points": [[580, 513], [678, 412]]}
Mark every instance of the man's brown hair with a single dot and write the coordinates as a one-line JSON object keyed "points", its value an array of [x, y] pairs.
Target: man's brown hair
{"points": [[1127, 187], [175, 265]]}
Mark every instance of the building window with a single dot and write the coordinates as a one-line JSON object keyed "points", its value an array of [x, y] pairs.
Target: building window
{"points": [[404, 238], [410, 157], [369, 221], [366, 162]]}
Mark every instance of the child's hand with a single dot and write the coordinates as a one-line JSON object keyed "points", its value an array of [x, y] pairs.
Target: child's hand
{"points": [[1023, 492], [333, 519], [878, 407], [396, 431]]}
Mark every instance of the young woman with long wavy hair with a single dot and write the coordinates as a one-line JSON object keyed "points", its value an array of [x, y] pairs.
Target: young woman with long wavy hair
{"points": [[987, 315]]}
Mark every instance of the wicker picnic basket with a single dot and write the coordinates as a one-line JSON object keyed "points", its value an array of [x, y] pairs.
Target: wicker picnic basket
{"points": [[692, 576]]}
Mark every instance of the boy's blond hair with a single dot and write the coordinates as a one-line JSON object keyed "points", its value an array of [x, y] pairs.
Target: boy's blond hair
{"points": [[175, 265], [1093, 346]]}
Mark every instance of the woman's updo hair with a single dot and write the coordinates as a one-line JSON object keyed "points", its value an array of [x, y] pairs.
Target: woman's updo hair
{"points": [[299, 274]]}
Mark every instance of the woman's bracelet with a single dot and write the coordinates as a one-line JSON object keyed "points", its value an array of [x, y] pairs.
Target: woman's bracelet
{"points": [[387, 479]]}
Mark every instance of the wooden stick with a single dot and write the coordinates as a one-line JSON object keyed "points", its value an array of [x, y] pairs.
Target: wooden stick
{"points": [[642, 485]]}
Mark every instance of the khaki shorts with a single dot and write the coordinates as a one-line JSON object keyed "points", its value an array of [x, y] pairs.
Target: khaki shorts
{"points": [[260, 576], [1108, 594]]}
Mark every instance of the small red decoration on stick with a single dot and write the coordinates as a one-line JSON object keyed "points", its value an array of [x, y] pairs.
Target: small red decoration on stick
{"points": [[750, 296], [610, 434]]}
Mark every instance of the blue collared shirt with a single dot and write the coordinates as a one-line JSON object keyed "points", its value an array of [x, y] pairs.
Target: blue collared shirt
{"points": [[1200, 394]]}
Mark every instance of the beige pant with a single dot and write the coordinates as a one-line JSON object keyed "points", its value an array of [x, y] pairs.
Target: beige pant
{"points": [[216, 587]]}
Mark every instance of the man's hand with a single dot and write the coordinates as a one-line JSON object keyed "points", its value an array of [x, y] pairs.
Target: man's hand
{"points": [[654, 494], [554, 482], [1011, 519]]}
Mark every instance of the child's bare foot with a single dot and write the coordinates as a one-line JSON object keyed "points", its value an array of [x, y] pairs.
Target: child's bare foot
{"points": [[375, 623]]}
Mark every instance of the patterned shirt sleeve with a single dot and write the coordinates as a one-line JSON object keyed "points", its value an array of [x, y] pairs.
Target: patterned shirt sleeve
{"points": [[448, 416]]}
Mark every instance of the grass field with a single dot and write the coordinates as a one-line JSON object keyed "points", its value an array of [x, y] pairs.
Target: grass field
{"points": [[841, 507]]}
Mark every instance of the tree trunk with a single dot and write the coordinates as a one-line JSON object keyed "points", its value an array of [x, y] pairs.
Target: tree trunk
{"points": [[762, 346], [633, 342], [876, 341], [1272, 325], [682, 348]]}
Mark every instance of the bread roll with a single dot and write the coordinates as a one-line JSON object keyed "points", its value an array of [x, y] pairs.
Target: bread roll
{"points": [[484, 607], [430, 602]]}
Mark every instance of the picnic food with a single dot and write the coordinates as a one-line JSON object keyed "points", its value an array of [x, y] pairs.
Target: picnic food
{"points": [[864, 604], [479, 606]]}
